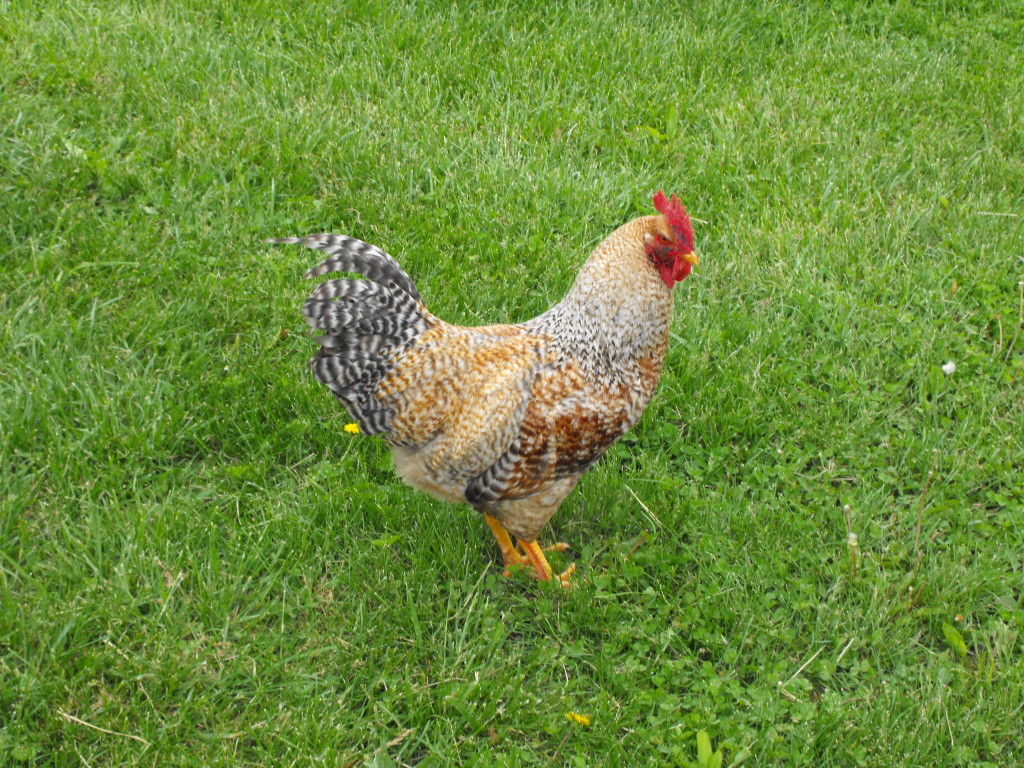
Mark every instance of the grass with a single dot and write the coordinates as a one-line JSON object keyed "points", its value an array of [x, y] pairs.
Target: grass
{"points": [[199, 567]]}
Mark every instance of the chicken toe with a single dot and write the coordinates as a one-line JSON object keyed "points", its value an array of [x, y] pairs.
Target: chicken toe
{"points": [[558, 546]]}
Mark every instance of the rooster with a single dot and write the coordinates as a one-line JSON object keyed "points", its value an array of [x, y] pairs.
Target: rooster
{"points": [[506, 418]]}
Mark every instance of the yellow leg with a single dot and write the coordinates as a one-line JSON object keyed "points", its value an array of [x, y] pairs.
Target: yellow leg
{"points": [[508, 550], [541, 569]]}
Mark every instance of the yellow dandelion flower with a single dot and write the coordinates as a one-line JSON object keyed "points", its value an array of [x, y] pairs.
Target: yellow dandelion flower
{"points": [[579, 719], [352, 429]]}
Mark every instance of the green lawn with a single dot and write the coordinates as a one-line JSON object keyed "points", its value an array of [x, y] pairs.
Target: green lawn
{"points": [[199, 567]]}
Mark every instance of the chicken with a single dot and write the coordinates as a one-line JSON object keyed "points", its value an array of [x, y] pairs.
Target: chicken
{"points": [[506, 418]]}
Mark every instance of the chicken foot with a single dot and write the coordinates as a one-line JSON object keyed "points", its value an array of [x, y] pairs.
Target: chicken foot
{"points": [[534, 554], [541, 569]]}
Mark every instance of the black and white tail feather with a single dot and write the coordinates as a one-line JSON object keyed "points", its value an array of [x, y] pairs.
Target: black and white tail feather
{"points": [[367, 324]]}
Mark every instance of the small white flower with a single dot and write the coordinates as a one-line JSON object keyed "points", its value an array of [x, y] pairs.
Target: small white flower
{"points": [[949, 368]]}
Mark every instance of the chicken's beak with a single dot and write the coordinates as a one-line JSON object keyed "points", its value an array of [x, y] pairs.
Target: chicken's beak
{"points": [[691, 257]]}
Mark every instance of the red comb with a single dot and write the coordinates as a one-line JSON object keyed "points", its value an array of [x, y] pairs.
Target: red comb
{"points": [[677, 218]]}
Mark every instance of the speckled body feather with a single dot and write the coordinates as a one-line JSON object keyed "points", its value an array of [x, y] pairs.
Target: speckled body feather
{"points": [[504, 417]]}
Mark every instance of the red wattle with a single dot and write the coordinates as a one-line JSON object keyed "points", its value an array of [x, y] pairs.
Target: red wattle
{"points": [[682, 269], [667, 274]]}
